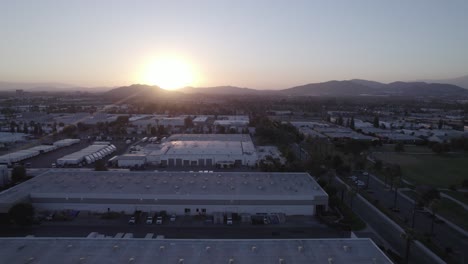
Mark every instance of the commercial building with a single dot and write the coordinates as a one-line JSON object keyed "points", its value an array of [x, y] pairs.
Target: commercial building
{"points": [[87, 155], [189, 193], [184, 251], [204, 150]]}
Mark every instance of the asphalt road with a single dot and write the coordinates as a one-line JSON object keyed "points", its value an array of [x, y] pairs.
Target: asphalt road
{"points": [[444, 235]]}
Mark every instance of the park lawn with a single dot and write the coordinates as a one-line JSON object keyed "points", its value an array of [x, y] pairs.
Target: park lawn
{"points": [[460, 196], [453, 212], [408, 148], [447, 209], [429, 169]]}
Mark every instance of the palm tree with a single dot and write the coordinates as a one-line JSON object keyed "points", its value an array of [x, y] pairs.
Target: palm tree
{"points": [[429, 198], [409, 236]]}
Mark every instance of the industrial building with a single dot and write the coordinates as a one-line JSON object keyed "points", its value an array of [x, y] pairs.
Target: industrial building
{"points": [[204, 150], [87, 155], [180, 193], [181, 251], [20, 155]]}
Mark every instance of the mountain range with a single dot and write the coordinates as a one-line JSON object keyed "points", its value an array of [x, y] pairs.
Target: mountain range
{"points": [[354, 87], [459, 81]]}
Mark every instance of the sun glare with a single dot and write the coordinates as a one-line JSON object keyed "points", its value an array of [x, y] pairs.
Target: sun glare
{"points": [[169, 73]]}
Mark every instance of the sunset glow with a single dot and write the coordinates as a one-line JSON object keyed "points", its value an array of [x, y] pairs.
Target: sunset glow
{"points": [[168, 73]]}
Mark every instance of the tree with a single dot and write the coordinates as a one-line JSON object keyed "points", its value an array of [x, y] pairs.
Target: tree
{"points": [[378, 165], [337, 162], [340, 120], [69, 130], [18, 174], [429, 197], [22, 213], [100, 165], [188, 122], [441, 124], [376, 122], [25, 128]]}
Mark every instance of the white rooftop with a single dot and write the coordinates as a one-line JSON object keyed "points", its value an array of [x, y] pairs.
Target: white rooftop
{"points": [[184, 251], [72, 183]]}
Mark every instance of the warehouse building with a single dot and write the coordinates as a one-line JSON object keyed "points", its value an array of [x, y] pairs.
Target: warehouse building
{"points": [[180, 193], [180, 251], [204, 150]]}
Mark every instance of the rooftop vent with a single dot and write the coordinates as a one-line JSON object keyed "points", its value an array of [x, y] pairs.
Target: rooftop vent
{"points": [[330, 260], [218, 182], [115, 247], [132, 259], [254, 249], [181, 261], [260, 187], [161, 248], [147, 186], [207, 248], [245, 182], [281, 261], [300, 248], [176, 187], [346, 248], [231, 261], [204, 187]]}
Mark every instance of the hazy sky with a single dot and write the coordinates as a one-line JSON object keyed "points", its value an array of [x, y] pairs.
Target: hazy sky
{"points": [[254, 43]]}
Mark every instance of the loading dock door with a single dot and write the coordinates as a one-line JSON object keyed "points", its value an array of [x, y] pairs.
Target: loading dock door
{"points": [[201, 162], [209, 162], [171, 162], [178, 162], [186, 163]]}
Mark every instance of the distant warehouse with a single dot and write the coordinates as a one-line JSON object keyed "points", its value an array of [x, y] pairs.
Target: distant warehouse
{"points": [[179, 193], [204, 150]]}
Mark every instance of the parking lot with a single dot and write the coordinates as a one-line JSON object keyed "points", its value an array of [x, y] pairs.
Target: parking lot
{"points": [[183, 227]]}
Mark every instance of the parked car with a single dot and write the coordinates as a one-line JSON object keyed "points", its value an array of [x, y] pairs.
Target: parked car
{"points": [[173, 218], [132, 220], [149, 220], [159, 220]]}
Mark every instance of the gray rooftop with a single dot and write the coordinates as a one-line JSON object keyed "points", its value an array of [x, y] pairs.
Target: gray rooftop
{"points": [[73, 183], [109, 250]]}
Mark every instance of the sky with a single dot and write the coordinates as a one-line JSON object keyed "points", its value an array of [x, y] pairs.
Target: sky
{"points": [[263, 44]]}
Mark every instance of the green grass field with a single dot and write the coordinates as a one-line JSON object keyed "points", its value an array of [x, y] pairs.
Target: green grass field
{"points": [[449, 210], [429, 169], [453, 212]]}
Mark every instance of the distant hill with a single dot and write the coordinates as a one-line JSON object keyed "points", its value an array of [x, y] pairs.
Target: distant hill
{"points": [[138, 91], [48, 87], [363, 87], [232, 90], [459, 81], [330, 88]]}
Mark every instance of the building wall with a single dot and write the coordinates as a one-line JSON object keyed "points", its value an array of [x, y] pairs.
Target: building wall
{"points": [[180, 209], [131, 163]]}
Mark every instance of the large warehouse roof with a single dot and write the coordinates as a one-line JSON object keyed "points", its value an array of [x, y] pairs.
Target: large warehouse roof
{"points": [[84, 250], [208, 144], [63, 183]]}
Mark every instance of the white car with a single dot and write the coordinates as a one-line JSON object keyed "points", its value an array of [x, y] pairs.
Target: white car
{"points": [[149, 220], [360, 183], [132, 221], [159, 220], [353, 178], [173, 218]]}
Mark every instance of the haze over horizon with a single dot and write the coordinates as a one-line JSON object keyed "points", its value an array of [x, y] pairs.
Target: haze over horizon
{"points": [[255, 44]]}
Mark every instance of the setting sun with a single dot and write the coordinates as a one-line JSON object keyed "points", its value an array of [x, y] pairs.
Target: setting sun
{"points": [[169, 73]]}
